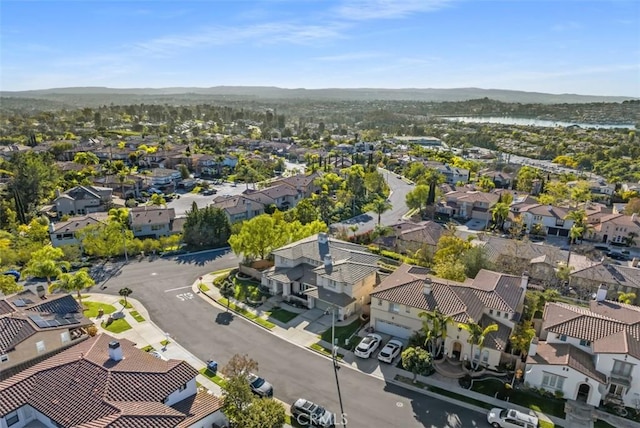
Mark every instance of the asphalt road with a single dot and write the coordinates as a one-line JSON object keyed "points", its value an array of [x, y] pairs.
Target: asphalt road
{"points": [[210, 333], [367, 221]]}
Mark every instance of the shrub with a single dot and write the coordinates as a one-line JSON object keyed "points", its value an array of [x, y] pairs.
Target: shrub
{"points": [[92, 330], [559, 394]]}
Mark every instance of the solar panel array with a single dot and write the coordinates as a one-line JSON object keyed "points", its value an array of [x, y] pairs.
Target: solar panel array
{"points": [[58, 321]]}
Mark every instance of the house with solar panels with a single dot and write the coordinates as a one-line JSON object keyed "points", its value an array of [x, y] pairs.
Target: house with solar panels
{"points": [[34, 326]]}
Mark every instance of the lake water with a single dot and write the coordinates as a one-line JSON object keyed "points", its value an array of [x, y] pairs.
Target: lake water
{"points": [[535, 122]]}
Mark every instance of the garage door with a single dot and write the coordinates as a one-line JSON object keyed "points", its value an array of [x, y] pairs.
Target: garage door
{"points": [[393, 329], [322, 305]]}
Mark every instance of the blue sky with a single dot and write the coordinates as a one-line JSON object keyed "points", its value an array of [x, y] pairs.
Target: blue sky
{"points": [[570, 46]]}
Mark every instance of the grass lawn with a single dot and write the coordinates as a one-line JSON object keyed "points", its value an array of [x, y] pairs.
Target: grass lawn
{"points": [[203, 287], [325, 351], [148, 348], [244, 289], [127, 306], [91, 309], [249, 315], [117, 326], [342, 333], [137, 316], [282, 315], [165, 342], [533, 401], [216, 379]]}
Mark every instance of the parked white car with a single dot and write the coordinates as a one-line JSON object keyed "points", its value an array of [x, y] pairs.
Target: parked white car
{"points": [[511, 418], [390, 351], [368, 345]]}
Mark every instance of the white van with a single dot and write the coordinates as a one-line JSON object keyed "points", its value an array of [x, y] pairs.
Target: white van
{"points": [[511, 418]]}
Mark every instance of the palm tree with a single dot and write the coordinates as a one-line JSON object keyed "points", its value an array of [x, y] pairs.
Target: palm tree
{"points": [[499, 214], [119, 215], [477, 335], [434, 325], [71, 282], [228, 290], [378, 206], [627, 298], [125, 292]]}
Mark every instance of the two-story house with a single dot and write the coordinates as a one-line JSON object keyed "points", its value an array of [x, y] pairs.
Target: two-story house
{"points": [[81, 200], [238, 208], [301, 182], [164, 179], [407, 237], [35, 325], [491, 297], [323, 272], [64, 232], [588, 354], [107, 382], [617, 229], [284, 197], [617, 278], [468, 205], [549, 219], [151, 222], [124, 187], [452, 175]]}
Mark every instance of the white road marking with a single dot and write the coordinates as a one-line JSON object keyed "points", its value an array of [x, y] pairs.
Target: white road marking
{"points": [[179, 288]]}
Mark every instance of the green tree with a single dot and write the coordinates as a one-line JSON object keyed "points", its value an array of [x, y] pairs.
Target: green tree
{"points": [[417, 198], [263, 413], [378, 206], [237, 393], [305, 212], [184, 172], [499, 214], [486, 184], [522, 336], [86, 158], [158, 200], [477, 336], [70, 282], [525, 178], [206, 228], [417, 361], [105, 240], [627, 298], [475, 259], [581, 192], [47, 263], [119, 216], [228, 290], [434, 326], [8, 285], [448, 258], [125, 292]]}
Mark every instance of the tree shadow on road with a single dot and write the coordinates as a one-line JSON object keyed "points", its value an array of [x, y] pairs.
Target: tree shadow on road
{"points": [[200, 259], [224, 318]]}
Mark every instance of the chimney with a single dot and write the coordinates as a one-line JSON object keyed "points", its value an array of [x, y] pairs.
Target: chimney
{"points": [[601, 295], [322, 238], [41, 292], [115, 351], [533, 347], [525, 280], [427, 285], [327, 261]]}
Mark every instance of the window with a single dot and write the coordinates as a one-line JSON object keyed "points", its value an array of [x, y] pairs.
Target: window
{"points": [[4, 358], [407, 309], [40, 347], [12, 418], [485, 356], [379, 302], [506, 314], [563, 337], [617, 390], [498, 313], [621, 368], [550, 380], [182, 387], [394, 307], [490, 311], [584, 342], [64, 337]]}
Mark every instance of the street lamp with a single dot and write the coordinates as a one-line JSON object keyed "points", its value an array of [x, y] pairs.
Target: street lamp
{"points": [[334, 359], [124, 241]]}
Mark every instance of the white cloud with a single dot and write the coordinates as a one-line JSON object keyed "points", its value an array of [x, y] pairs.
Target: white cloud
{"points": [[360, 10]]}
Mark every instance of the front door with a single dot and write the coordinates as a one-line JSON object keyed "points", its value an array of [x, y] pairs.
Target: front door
{"points": [[456, 351], [583, 392]]}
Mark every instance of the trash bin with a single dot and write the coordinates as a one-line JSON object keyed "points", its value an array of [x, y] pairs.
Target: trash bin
{"points": [[100, 312], [212, 367]]}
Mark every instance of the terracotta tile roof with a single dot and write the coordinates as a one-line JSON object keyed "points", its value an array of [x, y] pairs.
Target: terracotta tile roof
{"points": [[197, 407], [100, 392], [141, 216], [5, 308], [497, 339], [598, 324], [566, 355]]}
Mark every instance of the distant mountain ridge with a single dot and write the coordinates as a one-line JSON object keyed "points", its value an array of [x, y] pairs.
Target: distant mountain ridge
{"points": [[347, 94]]}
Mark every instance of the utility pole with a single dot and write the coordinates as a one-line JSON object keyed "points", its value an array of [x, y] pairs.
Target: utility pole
{"points": [[334, 359], [124, 241]]}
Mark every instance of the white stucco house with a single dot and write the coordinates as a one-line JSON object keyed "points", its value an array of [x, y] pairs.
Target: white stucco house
{"points": [[323, 272], [589, 354], [550, 218], [490, 297]]}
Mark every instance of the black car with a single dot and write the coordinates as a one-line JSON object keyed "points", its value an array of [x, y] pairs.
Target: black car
{"points": [[618, 256]]}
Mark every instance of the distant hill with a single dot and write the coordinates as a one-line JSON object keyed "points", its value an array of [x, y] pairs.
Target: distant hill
{"points": [[89, 95]]}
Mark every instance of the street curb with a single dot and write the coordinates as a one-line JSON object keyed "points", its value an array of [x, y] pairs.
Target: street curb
{"points": [[197, 252]]}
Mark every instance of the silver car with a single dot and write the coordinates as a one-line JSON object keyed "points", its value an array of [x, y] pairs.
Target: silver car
{"points": [[259, 386]]}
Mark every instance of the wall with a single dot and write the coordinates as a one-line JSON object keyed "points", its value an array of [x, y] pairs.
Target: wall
{"points": [[208, 421], [27, 414], [254, 273], [177, 396], [573, 380], [26, 350], [604, 364]]}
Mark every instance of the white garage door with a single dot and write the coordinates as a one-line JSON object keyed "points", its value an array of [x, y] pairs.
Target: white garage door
{"points": [[393, 329]]}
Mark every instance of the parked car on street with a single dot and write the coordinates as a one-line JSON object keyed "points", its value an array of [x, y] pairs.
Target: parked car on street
{"points": [[306, 412], [390, 351], [368, 345], [510, 418], [259, 386]]}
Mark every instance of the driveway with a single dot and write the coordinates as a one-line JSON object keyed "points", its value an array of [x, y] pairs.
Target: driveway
{"points": [[164, 287]]}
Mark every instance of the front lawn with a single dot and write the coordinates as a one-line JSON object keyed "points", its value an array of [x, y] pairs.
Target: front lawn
{"points": [[243, 289], [126, 305], [531, 400], [91, 309], [117, 326], [342, 334], [215, 379], [282, 315], [247, 314], [137, 316]]}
